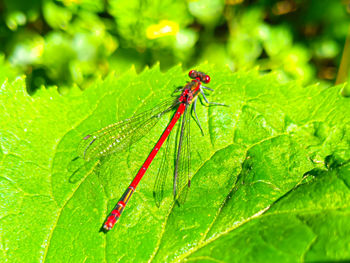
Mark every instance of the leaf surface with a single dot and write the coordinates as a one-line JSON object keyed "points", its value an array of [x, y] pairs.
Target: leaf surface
{"points": [[270, 177]]}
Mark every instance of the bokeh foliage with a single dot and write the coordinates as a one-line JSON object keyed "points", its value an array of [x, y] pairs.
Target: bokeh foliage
{"points": [[69, 42]]}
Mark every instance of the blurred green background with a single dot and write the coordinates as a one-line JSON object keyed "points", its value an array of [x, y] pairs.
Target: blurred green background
{"points": [[73, 42]]}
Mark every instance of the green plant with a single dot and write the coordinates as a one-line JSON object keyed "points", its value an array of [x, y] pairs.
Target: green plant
{"points": [[66, 43]]}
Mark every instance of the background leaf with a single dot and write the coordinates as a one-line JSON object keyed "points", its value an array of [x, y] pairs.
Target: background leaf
{"points": [[270, 178]]}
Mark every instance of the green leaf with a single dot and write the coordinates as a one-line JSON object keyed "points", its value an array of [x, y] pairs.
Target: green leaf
{"points": [[270, 177]]}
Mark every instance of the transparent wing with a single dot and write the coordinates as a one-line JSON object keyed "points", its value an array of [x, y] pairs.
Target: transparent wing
{"points": [[120, 135], [158, 190], [182, 165]]}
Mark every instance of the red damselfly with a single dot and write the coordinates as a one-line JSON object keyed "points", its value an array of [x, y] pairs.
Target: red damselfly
{"points": [[118, 136]]}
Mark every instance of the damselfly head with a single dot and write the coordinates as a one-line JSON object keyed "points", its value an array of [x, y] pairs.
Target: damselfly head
{"points": [[200, 76]]}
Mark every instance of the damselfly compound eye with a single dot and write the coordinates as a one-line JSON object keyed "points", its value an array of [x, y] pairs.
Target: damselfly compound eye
{"points": [[192, 73]]}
